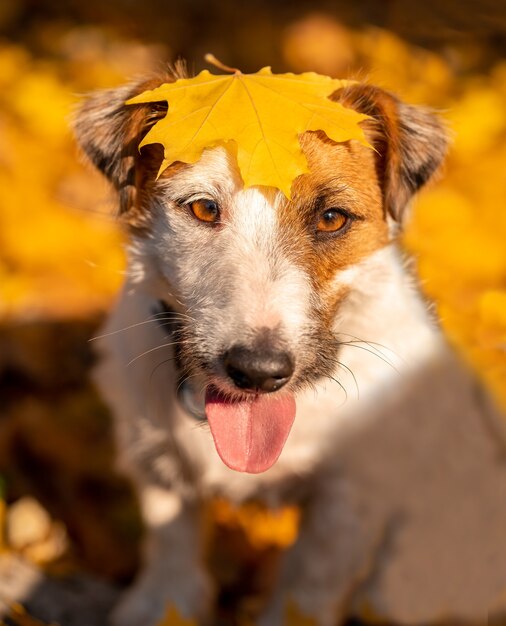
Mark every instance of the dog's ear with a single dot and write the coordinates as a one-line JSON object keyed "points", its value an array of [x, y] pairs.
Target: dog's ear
{"points": [[106, 129], [411, 142], [110, 131]]}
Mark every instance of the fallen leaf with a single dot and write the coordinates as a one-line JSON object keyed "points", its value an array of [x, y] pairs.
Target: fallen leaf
{"points": [[263, 527], [173, 618], [262, 113]]}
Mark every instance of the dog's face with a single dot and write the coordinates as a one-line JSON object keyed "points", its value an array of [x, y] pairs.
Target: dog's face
{"points": [[260, 277], [260, 281]]}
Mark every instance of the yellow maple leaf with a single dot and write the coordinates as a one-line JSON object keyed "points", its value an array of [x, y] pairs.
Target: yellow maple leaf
{"points": [[172, 617], [262, 113]]}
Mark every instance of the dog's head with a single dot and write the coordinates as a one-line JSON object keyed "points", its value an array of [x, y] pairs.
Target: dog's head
{"points": [[263, 284]]}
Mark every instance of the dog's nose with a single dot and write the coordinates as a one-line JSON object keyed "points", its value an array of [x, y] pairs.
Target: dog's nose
{"points": [[258, 370]]}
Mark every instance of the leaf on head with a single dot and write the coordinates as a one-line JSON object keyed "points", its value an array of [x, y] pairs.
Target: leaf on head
{"points": [[263, 113]]}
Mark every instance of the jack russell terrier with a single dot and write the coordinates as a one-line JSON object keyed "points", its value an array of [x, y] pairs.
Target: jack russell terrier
{"points": [[275, 350]]}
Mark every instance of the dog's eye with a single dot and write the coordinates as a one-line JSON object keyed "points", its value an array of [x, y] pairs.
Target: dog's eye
{"points": [[332, 220], [205, 210]]}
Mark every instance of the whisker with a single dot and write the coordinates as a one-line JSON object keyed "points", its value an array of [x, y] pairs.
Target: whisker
{"points": [[340, 364], [174, 314], [373, 349], [163, 345], [355, 344], [172, 358], [372, 344], [184, 380], [156, 318], [342, 387], [121, 330]]}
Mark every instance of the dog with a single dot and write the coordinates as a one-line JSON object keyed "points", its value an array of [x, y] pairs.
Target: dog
{"points": [[280, 351]]}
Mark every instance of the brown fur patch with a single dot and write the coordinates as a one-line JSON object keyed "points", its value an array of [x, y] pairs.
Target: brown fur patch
{"points": [[410, 142], [109, 132], [341, 176]]}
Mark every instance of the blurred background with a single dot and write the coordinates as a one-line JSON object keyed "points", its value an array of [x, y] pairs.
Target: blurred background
{"points": [[62, 505]]}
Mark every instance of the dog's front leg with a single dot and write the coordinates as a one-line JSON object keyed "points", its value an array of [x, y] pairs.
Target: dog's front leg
{"points": [[172, 574], [335, 551]]}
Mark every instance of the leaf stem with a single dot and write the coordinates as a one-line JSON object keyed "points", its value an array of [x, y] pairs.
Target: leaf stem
{"points": [[212, 60]]}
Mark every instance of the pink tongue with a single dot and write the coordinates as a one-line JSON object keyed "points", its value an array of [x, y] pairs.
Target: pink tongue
{"points": [[249, 435]]}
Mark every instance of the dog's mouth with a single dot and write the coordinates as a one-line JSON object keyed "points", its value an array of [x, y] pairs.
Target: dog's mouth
{"points": [[249, 432], [249, 429]]}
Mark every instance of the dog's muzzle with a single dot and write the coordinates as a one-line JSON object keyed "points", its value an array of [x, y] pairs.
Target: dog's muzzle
{"points": [[249, 431]]}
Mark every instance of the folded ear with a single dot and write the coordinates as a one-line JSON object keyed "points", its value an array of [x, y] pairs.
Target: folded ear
{"points": [[411, 142], [110, 131]]}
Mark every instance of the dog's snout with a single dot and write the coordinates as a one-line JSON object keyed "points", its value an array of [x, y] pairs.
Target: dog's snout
{"points": [[258, 370]]}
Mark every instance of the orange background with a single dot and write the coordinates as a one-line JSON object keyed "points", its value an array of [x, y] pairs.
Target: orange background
{"points": [[61, 258]]}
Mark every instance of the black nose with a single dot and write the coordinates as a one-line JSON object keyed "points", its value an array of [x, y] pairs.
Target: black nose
{"points": [[262, 370]]}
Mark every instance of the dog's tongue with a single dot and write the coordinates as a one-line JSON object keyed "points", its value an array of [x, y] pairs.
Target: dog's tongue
{"points": [[249, 435]]}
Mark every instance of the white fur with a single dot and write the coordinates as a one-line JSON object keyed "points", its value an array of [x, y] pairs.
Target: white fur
{"points": [[269, 289], [358, 457]]}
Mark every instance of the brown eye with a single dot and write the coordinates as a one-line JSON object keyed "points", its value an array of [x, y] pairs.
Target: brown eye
{"points": [[205, 210], [331, 221]]}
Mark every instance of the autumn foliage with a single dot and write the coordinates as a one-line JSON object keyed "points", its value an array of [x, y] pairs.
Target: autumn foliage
{"points": [[61, 252]]}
